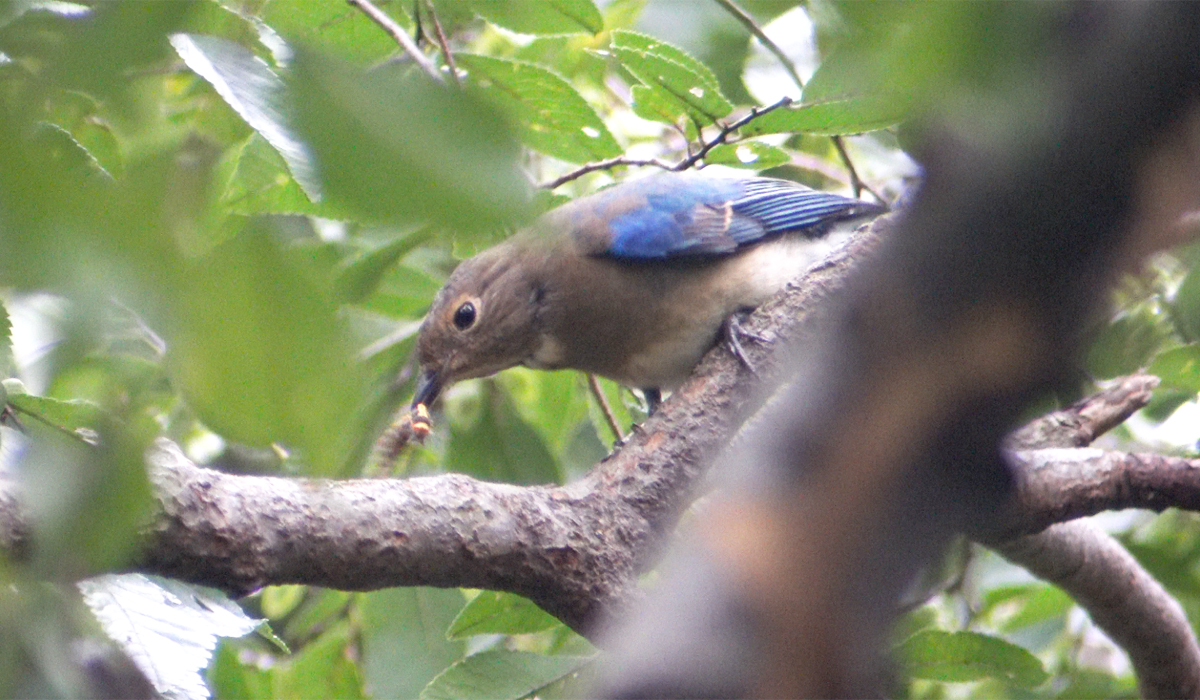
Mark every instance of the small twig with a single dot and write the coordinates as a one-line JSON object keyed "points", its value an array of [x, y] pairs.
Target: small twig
{"points": [[855, 181], [397, 32], [689, 161], [447, 56], [752, 26], [605, 408], [603, 165], [726, 130]]}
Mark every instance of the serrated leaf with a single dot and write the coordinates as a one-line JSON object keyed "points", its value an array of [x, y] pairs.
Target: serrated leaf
{"points": [[754, 155], [553, 117], [396, 147], [542, 16], [169, 629], [674, 74], [254, 91], [958, 657], [494, 612], [501, 675], [644, 43], [262, 184], [1179, 368], [852, 115]]}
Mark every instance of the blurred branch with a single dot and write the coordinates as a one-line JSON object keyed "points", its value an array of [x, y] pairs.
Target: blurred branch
{"points": [[603, 165], [402, 38]]}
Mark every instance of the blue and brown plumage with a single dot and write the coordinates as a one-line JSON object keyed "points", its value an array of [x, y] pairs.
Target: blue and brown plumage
{"points": [[633, 283]]}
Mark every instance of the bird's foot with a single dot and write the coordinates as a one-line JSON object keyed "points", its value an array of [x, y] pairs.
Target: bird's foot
{"points": [[735, 333]]}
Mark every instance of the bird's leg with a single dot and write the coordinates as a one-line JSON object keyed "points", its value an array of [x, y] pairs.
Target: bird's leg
{"points": [[734, 332], [653, 398]]}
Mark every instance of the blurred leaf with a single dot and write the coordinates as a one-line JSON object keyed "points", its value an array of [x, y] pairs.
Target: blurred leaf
{"points": [[553, 117], [542, 16], [855, 115], [322, 669], [1029, 603], [77, 417], [404, 643], [1128, 343], [1179, 368], [260, 353], [394, 147], [230, 678], [361, 275], [278, 601], [320, 609], [6, 356], [494, 612], [652, 105], [673, 74], [955, 657], [253, 90], [261, 184], [168, 628], [501, 675], [754, 155], [499, 445]]}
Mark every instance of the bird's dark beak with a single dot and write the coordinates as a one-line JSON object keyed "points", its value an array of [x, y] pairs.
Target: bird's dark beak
{"points": [[429, 385]]}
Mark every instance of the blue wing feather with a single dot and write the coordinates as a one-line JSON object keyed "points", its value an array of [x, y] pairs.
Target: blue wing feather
{"points": [[683, 215]]}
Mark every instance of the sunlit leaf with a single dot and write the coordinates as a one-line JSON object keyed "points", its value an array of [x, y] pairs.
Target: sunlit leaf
{"points": [[501, 675], [404, 643], [672, 73], [335, 26], [168, 628], [542, 16], [754, 155], [494, 612], [552, 116], [956, 657], [853, 115]]}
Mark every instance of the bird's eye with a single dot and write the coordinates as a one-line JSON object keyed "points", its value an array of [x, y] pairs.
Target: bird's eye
{"points": [[464, 316]]}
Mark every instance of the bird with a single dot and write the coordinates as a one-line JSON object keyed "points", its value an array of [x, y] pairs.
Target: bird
{"points": [[635, 282]]}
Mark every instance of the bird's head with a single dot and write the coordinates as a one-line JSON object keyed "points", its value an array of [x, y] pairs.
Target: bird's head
{"points": [[482, 321]]}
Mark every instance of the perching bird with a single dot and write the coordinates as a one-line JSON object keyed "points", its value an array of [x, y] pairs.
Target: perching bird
{"points": [[634, 283]]}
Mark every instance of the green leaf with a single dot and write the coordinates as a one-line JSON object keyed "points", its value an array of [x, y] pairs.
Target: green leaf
{"points": [[501, 675], [652, 105], [262, 184], [393, 147], [254, 91], [361, 275], [261, 354], [542, 16], [1029, 604], [76, 416], [754, 155], [169, 629], [838, 117], [494, 612], [6, 356], [672, 73], [1128, 343], [552, 116], [497, 444], [1185, 305], [958, 657], [1179, 368], [334, 26], [404, 643]]}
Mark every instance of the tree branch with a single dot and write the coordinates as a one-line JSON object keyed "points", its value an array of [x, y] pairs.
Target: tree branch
{"points": [[402, 38]]}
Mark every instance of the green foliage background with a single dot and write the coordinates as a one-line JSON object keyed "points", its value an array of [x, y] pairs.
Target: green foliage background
{"points": [[225, 219]]}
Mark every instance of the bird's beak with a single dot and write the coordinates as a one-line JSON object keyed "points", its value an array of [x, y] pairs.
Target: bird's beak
{"points": [[429, 385]]}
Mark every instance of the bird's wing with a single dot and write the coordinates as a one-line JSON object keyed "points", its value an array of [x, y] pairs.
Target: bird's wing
{"points": [[681, 215]]}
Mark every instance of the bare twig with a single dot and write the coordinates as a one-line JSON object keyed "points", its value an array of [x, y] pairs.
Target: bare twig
{"points": [[397, 32], [855, 181], [689, 161], [604, 165], [605, 408], [447, 56]]}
